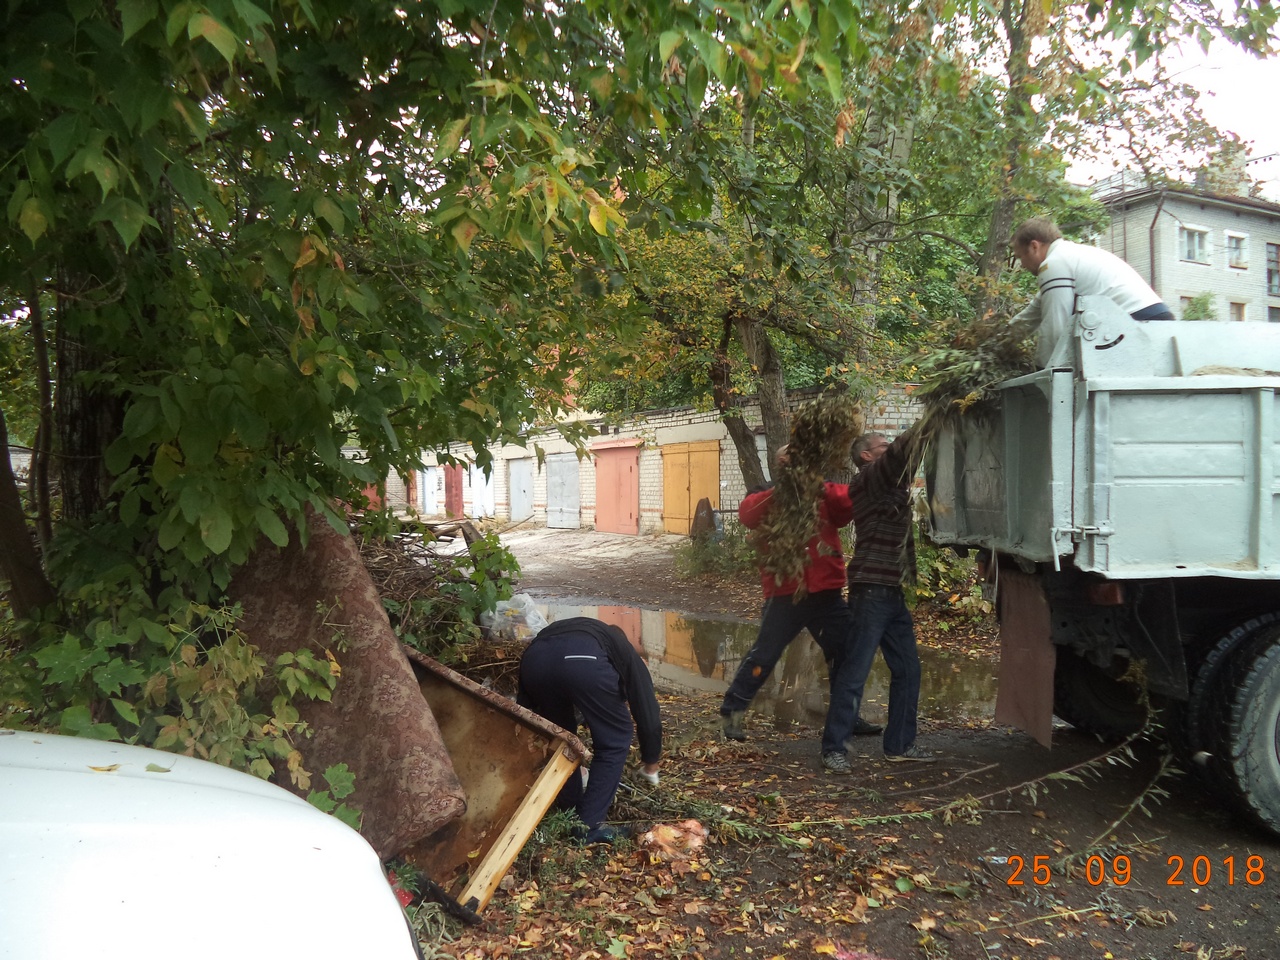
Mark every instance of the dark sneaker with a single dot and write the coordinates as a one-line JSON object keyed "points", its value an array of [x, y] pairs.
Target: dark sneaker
{"points": [[602, 834], [912, 754], [836, 763], [731, 725], [861, 728]]}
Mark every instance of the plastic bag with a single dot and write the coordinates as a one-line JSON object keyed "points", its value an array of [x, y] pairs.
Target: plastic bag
{"points": [[514, 619]]}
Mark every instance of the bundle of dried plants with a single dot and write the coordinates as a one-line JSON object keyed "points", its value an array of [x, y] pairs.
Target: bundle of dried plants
{"points": [[958, 380], [821, 433], [419, 587]]}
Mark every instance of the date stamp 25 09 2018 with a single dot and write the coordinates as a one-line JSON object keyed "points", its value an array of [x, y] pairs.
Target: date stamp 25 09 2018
{"points": [[1198, 871]]}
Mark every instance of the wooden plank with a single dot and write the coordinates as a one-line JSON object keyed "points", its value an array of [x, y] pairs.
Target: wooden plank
{"points": [[507, 846]]}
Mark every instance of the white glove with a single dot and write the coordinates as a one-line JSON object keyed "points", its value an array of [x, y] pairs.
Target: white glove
{"points": [[650, 777]]}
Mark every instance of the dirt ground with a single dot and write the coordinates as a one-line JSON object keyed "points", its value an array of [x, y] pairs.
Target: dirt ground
{"points": [[999, 849]]}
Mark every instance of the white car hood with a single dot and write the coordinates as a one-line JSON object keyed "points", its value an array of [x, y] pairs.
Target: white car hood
{"points": [[109, 850]]}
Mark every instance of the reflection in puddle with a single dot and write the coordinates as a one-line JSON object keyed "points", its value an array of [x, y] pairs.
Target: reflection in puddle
{"points": [[688, 653]]}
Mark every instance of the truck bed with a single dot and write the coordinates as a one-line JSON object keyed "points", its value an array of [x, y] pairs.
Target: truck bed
{"points": [[1147, 450]]}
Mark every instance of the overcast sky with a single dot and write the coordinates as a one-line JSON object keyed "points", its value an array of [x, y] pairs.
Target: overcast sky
{"points": [[1240, 95]]}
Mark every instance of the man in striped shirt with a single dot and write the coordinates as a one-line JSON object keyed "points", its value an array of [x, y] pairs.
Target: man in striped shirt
{"points": [[883, 560]]}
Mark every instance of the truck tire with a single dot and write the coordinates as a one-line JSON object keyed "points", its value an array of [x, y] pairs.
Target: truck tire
{"points": [[1195, 729], [1245, 753], [1093, 700]]}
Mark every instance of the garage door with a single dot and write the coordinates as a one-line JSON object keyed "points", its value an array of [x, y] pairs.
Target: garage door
{"points": [[618, 490], [564, 500], [690, 471], [520, 488]]}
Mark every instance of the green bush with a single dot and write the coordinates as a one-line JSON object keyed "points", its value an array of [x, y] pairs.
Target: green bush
{"points": [[723, 554], [947, 578]]}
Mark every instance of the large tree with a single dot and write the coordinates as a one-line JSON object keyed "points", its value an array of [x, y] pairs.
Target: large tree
{"points": [[242, 236]]}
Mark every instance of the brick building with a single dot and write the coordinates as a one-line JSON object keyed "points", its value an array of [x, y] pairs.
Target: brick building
{"points": [[643, 475], [1192, 244]]}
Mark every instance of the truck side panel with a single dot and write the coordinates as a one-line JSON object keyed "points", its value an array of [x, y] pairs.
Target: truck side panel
{"points": [[1004, 481], [1182, 480], [1149, 457]]}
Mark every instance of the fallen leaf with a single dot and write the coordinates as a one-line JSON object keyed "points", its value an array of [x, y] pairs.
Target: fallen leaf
{"points": [[111, 769], [674, 841]]}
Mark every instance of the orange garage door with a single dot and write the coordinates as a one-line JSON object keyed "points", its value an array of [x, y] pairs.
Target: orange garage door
{"points": [[690, 471]]}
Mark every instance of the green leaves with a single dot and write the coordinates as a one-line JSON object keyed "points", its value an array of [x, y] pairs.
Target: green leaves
{"points": [[67, 661], [222, 39], [136, 14], [33, 219], [215, 528]]}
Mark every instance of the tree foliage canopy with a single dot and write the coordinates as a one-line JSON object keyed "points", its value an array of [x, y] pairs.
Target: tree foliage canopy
{"points": [[241, 236], [251, 235]]}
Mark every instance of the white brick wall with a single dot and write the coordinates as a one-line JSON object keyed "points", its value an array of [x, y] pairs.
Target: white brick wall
{"points": [[1130, 237], [889, 413]]}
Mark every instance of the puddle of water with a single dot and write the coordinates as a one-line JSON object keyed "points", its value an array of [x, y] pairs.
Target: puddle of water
{"points": [[687, 654]]}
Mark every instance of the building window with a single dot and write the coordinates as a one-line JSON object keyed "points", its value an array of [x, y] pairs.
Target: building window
{"points": [[1273, 314], [1237, 256], [1273, 269], [1193, 244], [1237, 311]]}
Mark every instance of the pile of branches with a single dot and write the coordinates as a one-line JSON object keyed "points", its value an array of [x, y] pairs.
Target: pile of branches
{"points": [[416, 584], [822, 432], [413, 577], [958, 380]]}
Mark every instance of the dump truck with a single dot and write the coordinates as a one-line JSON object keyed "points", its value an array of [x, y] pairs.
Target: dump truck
{"points": [[1123, 504]]}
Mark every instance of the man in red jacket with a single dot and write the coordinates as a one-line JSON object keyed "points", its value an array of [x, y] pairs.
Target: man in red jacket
{"points": [[822, 608]]}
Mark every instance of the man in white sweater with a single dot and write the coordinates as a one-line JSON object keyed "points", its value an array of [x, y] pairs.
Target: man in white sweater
{"points": [[1067, 270]]}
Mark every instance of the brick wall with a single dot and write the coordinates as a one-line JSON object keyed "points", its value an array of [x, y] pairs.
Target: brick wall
{"points": [[890, 413]]}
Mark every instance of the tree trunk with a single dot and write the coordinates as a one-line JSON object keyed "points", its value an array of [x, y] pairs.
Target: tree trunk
{"points": [[87, 420], [771, 389], [1016, 108], [40, 455], [29, 589], [870, 222], [743, 437]]}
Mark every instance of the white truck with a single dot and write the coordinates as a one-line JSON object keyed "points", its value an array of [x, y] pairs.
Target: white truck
{"points": [[1124, 501]]}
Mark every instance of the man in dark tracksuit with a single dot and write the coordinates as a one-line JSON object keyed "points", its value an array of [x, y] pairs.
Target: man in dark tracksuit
{"points": [[585, 663]]}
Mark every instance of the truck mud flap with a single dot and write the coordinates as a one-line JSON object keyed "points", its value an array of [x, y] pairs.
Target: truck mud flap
{"points": [[1027, 656], [512, 764]]}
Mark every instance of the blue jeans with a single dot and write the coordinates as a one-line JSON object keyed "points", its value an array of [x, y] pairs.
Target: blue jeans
{"points": [[881, 621], [826, 615]]}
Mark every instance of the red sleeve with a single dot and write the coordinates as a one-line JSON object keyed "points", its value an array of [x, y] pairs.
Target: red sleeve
{"points": [[753, 508], [839, 503]]}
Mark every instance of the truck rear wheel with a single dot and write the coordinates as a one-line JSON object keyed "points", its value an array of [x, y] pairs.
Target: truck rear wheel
{"points": [[1195, 728], [1244, 747], [1094, 699]]}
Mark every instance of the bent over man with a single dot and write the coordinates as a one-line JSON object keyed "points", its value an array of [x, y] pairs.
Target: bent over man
{"points": [[591, 665]]}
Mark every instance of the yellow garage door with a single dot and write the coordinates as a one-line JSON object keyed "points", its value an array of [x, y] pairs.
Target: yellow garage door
{"points": [[690, 471]]}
